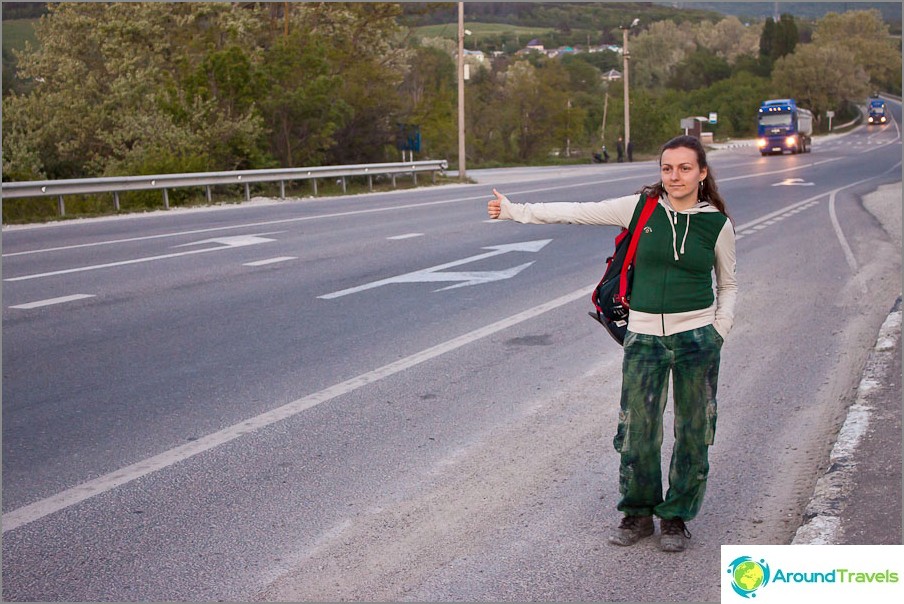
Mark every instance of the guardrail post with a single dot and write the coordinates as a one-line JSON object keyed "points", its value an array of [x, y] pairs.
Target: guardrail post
{"points": [[247, 192], [165, 199], [61, 206], [314, 182], [370, 183], [282, 189], [209, 196], [343, 184], [393, 179], [414, 178], [116, 200]]}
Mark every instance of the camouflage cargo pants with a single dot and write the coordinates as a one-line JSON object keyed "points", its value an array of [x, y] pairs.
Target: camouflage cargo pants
{"points": [[692, 358]]}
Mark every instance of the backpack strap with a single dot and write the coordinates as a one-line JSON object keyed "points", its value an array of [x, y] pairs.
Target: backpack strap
{"points": [[648, 208]]}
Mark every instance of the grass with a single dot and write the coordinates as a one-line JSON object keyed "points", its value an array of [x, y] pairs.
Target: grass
{"points": [[18, 31], [480, 31]]}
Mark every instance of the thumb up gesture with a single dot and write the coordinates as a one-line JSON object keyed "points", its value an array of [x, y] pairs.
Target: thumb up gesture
{"points": [[494, 207]]}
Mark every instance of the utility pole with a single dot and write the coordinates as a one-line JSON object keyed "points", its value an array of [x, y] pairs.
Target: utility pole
{"points": [[605, 110], [461, 92], [625, 30]]}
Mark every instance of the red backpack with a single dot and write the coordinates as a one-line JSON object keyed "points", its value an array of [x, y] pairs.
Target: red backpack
{"points": [[611, 297]]}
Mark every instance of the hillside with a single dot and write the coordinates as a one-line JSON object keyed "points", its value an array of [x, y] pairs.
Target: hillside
{"points": [[891, 11]]}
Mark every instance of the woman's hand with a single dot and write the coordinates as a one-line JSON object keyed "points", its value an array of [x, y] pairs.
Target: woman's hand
{"points": [[494, 207]]}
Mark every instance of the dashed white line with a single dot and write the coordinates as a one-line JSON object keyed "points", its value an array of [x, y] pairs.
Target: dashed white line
{"points": [[52, 301], [270, 261], [405, 236]]}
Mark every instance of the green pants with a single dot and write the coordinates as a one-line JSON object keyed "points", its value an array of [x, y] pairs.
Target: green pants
{"points": [[692, 358]]}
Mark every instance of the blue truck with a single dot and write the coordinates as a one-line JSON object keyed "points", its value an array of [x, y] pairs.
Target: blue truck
{"points": [[876, 114], [783, 126]]}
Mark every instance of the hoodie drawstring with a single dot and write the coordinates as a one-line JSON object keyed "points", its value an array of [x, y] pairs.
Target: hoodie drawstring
{"points": [[686, 229], [672, 222]]}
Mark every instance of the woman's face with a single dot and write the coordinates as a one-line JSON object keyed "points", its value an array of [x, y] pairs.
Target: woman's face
{"points": [[681, 176]]}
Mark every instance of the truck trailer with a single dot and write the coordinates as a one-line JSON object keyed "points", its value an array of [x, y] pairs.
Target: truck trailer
{"points": [[783, 126]]}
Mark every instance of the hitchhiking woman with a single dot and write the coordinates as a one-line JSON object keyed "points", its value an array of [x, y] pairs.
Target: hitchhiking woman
{"points": [[676, 326]]}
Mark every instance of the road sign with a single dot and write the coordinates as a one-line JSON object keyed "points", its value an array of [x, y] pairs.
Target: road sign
{"points": [[713, 117], [408, 137]]}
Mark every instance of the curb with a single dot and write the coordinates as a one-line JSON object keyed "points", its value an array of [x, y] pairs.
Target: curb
{"points": [[822, 516]]}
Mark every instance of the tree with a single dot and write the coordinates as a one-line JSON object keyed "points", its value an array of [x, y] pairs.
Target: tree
{"points": [[820, 77], [699, 70], [778, 39], [728, 39], [491, 121], [767, 38], [367, 52], [108, 94], [539, 103], [786, 37], [431, 96], [300, 108], [656, 53], [865, 36], [736, 101]]}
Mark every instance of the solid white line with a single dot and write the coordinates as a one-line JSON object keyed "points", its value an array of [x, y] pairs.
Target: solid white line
{"points": [[120, 263], [406, 236], [846, 248], [39, 509], [53, 301], [270, 261]]}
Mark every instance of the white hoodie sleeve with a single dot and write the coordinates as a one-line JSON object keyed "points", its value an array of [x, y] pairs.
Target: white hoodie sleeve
{"points": [[617, 212], [726, 281]]}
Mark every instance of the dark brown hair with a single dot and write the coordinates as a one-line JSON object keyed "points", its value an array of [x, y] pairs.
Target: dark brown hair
{"points": [[708, 190]]}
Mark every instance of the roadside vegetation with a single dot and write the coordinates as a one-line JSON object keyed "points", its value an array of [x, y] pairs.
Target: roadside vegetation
{"points": [[92, 89]]}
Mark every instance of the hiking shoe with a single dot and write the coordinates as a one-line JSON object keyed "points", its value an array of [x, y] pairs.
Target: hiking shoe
{"points": [[674, 535], [631, 530]]}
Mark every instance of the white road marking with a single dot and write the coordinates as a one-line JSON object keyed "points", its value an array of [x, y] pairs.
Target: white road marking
{"points": [[845, 247], [236, 241], [270, 261], [432, 274], [406, 236], [52, 301], [39, 509], [226, 243]]}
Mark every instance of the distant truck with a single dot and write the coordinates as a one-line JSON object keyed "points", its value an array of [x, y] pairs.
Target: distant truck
{"points": [[783, 126], [876, 113]]}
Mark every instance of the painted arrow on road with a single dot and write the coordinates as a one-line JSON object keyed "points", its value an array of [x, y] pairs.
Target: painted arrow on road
{"points": [[235, 241], [223, 243], [793, 182], [463, 279]]}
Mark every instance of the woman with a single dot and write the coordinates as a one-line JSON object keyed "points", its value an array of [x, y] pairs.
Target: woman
{"points": [[676, 325]]}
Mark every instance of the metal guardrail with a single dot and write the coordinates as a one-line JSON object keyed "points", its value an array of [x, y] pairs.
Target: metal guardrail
{"points": [[164, 182]]}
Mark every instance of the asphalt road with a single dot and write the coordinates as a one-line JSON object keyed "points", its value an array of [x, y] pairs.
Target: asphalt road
{"points": [[388, 397]]}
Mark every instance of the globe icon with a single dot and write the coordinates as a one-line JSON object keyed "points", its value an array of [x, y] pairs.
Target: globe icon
{"points": [[748, 575]]}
